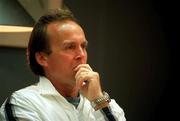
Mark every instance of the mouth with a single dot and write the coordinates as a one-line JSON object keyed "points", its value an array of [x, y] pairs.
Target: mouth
{"points": [[76, 67]]}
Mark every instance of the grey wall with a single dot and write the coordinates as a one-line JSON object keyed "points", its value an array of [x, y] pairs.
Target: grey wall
{"points": [[132, 44], [11, 13], [14, 73]]}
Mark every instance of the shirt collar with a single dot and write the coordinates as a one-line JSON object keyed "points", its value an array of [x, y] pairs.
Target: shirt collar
{"points": [[46, 87]]}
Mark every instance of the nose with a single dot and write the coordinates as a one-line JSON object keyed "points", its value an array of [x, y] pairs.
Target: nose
{"points": [[80, 54]]}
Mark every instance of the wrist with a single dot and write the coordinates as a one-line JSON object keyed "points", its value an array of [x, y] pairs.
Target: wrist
{"points": [[96, 96], [101, 102], [101, 106]]}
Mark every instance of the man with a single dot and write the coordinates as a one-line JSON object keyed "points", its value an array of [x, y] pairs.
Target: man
{"points": [[68, 90]]}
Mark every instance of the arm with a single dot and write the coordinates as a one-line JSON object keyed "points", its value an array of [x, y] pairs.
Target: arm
{"points": [[17, 108], [112, 113], [88, 82]]}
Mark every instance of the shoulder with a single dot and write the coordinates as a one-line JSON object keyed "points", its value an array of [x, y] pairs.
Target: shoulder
{"points": [[21, 103], [23, 98], [25, 95]]}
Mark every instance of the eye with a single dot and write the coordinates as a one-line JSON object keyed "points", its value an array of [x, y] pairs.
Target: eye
{"points": [[84, 45], [70, 46]]}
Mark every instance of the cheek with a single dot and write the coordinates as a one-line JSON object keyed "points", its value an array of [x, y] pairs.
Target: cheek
{"points": [[65, 61], [60, 65], [86, 57], [57, 60]]}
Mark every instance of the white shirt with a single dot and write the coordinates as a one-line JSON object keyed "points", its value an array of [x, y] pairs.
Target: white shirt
{"points": [[42, 102]]}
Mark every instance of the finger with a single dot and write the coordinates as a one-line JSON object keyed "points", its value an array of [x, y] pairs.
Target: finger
{"points": [[82, 70], [83, 66], [82, 79], [81, 75], [85, 76]]}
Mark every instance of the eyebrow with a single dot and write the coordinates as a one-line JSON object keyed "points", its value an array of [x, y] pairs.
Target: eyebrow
{"points": [[86, 42], [71, 41]]}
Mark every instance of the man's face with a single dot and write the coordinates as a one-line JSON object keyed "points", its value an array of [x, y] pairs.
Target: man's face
{"points": [[68, 45]]}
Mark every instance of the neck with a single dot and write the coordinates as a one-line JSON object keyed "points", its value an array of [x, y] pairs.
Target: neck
{"points": [[66, 90]]}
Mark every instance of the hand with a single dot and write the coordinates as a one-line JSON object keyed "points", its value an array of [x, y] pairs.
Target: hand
{"points": [[88, 82]]}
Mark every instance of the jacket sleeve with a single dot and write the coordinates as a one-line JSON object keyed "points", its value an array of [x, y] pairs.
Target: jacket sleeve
{"points": [[116, 111], [17, 108]]}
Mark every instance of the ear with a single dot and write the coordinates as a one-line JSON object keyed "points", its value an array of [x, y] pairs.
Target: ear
{"points": [[41, 58]]}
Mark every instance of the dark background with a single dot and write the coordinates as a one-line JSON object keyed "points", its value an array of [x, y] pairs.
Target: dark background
{"points": [[132, 44]]}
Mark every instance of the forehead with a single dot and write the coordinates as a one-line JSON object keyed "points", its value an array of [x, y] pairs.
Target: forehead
{"points": [[65, 30], [63, 25]]}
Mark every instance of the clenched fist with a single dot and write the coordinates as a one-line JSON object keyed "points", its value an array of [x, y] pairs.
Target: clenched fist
{"points": [[88, 82]]}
